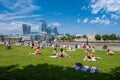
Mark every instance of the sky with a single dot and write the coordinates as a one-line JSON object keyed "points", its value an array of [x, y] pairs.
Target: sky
{"points": [[69, 16]]}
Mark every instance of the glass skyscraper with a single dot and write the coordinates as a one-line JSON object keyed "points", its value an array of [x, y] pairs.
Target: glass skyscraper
{"points": [[44, 26], [55, 31], [26, 29]]}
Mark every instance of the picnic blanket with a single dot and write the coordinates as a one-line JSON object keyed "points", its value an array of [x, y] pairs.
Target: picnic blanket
{"points": [[91, 69], [54, 56]]}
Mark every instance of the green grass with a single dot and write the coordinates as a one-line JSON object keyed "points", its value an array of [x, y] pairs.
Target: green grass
{"points": [[18, 64]]}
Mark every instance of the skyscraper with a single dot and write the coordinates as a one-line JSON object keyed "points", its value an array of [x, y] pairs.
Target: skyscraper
{"points": [[55, 31], [26, 29], [49, 30], [44, 26]]}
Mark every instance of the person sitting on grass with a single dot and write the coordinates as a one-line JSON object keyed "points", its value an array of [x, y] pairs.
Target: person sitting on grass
{"points": [[70, 48], [89, 56], [37, 52], [8, 46], [92, 48], [110, 52], [63, 54], [55, 52], [32, 45]]}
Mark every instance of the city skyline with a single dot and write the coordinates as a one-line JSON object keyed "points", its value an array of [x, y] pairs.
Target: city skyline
{"points": [[69, 16]]}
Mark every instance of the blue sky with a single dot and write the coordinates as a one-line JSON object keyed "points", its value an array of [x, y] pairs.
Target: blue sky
{"points": [[70, 16]]}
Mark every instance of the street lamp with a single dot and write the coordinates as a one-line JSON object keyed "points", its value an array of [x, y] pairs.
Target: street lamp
{"points": [[87, 41]]}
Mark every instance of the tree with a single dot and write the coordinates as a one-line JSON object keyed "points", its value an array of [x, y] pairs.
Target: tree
{"points": [[118, 38], [113, 37], [3, 39], [78, 37], [84, 36], [106, 37], [64, 38], [51, 39], [98, 37], [20, 39], [70, 38]]}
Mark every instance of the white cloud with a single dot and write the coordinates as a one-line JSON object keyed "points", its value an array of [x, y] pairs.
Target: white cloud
{"points": [[10, 28], [20, 6], [103, 16], [85, 20], [115, 23], [6, 26], [84, 8], [105, 5], [100, 21], [35, 27], [15, 27], [92, 1], [9, 17], [114, 16], [19, 23], [78, 20], [18, 9], [56, 24], [12, 25]]}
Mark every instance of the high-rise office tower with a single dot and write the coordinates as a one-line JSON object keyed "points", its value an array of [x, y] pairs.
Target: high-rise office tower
{"points": [[43, 26], [49, 30], [26, 29], [55, 31]]}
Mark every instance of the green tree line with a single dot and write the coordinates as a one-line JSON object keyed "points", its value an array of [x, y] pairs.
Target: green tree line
{"points": [[107, 37]]}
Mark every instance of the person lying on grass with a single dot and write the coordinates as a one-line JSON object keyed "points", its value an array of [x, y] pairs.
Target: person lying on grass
{"points": [[63, 54], [110, 52]]}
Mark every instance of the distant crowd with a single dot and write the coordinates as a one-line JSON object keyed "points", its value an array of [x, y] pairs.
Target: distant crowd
{"points": [[87, 48]]}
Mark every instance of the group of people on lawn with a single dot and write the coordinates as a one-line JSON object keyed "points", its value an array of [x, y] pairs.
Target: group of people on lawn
{"points": [[62, 53], [91, 57], [55, 52]]}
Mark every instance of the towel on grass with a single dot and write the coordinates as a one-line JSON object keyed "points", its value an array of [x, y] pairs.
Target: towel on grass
{"points": [[80, 67]]}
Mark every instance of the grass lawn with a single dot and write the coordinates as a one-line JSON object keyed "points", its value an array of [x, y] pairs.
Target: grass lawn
{"points": [[17, 64]]}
